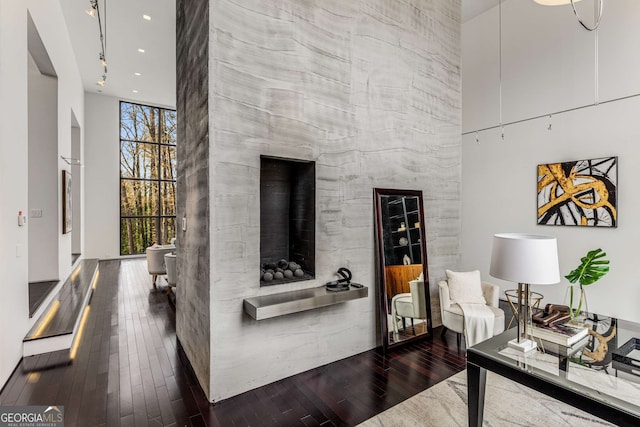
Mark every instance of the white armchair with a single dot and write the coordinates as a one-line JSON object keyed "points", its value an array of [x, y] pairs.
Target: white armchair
{"points": [[452, 316], [155, 260], [412, 305], [170, 266]]}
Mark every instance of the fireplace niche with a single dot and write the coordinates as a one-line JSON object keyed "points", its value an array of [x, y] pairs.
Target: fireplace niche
{"points": [[287, 220]]}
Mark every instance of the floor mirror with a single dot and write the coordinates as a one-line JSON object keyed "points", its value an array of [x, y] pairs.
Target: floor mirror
{"points": [[401, 258]]}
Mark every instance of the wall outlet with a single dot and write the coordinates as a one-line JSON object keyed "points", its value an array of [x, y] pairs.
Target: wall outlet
{"points": [[36, 213]]}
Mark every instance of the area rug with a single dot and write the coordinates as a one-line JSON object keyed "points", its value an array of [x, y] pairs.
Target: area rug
{"points": [[506, 404]]}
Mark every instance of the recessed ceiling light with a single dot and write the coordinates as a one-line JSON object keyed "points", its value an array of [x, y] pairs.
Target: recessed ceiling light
{"points": [[137, 74], [134, 91], [146, 17], [140, 50]]}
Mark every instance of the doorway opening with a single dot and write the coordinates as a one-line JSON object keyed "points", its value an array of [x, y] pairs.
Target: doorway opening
{"points": [[44, 176]]}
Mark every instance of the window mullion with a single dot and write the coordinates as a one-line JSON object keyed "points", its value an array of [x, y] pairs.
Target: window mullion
{"points": [[137, 192]]}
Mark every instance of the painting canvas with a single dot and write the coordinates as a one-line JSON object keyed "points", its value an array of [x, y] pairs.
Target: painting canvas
{"points": [[66, 202], [581, 193]]}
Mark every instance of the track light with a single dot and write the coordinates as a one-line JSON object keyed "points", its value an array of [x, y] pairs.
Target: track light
{"points": [[93, 10]]}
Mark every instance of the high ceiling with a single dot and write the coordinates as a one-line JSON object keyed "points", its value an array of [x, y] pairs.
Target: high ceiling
{"points": [[127, 31]]}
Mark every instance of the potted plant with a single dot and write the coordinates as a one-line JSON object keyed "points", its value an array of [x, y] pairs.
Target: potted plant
{"points": [[592, 268]]}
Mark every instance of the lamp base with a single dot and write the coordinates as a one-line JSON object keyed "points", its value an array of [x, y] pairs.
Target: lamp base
{"points": [[524, 346]]}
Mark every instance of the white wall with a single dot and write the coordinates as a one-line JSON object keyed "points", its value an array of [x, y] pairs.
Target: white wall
{"points": [[43, 175], [47, 15], [102, 176], [548, 65], [14, 304]]}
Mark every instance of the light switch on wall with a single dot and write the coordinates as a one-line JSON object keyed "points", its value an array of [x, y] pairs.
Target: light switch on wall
{"points": [[36, 213], [19, 251]]}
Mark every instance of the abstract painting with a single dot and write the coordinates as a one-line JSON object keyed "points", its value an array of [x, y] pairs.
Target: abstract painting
{"points": [[67, 220], [582, 193]]}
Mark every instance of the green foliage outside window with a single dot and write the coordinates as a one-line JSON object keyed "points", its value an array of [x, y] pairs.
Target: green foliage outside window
{"points": [[147, 177]]}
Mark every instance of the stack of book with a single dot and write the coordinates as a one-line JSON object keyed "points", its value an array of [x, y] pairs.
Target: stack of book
{"points": [[564, 334]]}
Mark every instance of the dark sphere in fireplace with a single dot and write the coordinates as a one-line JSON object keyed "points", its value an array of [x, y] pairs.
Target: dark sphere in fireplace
{"points": [[283, 264]]}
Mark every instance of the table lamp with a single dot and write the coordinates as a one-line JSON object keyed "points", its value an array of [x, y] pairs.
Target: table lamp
{"points": [[524, 259]]}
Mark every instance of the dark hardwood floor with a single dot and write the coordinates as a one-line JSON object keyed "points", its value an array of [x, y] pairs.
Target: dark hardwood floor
{"points": [[129, 371]]}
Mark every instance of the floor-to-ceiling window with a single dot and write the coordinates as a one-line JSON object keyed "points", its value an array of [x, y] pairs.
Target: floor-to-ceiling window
{"points": [[147, 176]]}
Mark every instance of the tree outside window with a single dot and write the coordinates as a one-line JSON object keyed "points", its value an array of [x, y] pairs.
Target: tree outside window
{"points": [[147, 177]]}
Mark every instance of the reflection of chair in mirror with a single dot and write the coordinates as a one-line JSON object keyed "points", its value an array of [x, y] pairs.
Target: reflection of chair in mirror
{"points": [[410, 305], [397, 278], [452, 316], [402, 258]]}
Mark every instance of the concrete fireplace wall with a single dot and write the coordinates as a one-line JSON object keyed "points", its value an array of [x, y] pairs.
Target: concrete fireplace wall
{"points": [[370, 91], [192, 298]]}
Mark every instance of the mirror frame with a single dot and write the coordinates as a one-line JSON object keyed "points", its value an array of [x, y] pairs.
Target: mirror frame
{"points": [[380, 265]]}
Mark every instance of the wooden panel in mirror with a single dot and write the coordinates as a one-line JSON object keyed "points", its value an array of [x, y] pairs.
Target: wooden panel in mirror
{"points": [[401, 258]]}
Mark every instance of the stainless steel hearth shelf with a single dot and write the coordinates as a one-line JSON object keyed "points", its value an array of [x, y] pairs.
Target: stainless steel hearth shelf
{"points": [[267, 306]]}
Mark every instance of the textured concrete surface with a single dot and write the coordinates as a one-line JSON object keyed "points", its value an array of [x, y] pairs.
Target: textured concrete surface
{"points": [[193, 261], [370, 91]]}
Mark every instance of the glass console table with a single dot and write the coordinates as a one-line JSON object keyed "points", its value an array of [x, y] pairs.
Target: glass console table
{"points": [[599, 375]]}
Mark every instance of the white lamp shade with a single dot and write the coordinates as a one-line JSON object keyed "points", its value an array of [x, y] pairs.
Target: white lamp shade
{"points": [[525, 258], [555, 2]]}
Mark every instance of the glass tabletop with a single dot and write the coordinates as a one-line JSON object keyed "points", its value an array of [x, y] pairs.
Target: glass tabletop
{"points": [[604, 366]]}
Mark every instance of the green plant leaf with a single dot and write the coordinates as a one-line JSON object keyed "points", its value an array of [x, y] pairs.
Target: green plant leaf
{"points": [[592, 268]]}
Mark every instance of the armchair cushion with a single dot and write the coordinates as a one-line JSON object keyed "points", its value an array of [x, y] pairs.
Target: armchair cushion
{"points": [[452, 316], [465, 287], [491, 293]]}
